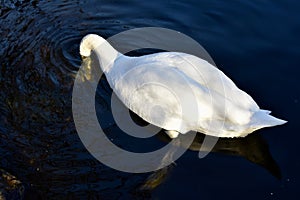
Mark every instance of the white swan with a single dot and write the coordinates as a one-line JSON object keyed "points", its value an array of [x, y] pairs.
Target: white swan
{"points": [[179, 92]]}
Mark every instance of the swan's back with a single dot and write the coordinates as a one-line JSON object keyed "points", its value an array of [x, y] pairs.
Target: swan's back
{"points": [[223, 109]]}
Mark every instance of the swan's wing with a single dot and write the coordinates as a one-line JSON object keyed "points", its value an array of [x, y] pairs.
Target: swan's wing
{"points": [[208, 76], [161, 95]]}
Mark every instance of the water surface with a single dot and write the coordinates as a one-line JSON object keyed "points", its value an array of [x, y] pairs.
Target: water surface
{"points": [[256, 43]]}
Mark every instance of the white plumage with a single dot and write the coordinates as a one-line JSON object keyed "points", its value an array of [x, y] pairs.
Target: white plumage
{"points": [[179, 92]]}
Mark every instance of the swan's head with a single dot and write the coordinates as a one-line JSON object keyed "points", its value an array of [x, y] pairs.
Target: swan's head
{"points": [[89, 43]]}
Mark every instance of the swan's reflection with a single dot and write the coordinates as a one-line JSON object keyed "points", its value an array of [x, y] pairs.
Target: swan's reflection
{"points": [[253, 148]]}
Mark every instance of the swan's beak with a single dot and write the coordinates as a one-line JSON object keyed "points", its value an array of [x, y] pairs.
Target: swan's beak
{"points": [[83, 57]]}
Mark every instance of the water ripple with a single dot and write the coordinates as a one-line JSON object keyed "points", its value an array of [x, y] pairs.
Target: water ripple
{"points": [[39, 58]]}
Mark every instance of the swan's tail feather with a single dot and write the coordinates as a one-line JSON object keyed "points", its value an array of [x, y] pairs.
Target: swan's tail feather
{"points": [[266, 111], [261, 119]]}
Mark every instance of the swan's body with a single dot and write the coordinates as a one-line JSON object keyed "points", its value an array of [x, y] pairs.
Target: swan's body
{"points": [[154, 86]]}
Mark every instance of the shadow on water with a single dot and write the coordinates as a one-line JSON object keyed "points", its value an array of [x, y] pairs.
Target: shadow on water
{"points": [[253, 148]]}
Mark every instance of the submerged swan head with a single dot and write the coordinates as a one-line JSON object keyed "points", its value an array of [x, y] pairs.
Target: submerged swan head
{"points": [[89, 43]]}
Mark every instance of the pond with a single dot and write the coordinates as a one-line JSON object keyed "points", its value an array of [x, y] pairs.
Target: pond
{"points": [[256, 43]]}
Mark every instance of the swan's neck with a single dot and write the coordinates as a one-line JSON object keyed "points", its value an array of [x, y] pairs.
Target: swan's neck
{"points": [[104, 51], [106, 55]]}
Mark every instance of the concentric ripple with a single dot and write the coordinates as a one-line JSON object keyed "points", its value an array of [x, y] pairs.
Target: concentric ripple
{"points": [[64, 50]]}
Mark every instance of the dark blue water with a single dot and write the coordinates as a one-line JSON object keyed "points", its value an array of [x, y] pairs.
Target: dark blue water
{"points": [[256, 43]]}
